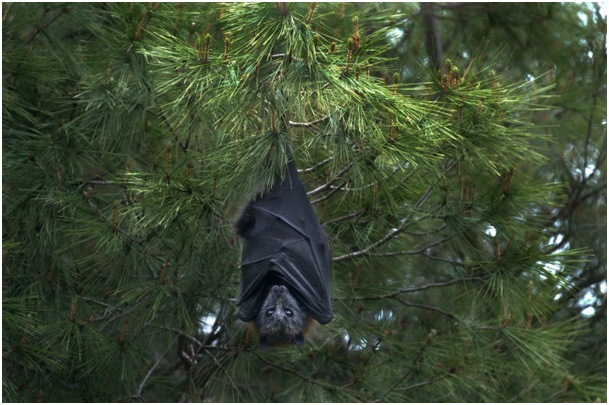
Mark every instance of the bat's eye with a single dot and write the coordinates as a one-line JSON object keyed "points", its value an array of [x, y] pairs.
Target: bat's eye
{"points": [[269, 313], [289, 312]]}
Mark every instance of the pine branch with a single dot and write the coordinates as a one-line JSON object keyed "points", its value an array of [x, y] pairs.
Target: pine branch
{"points": [[41, 28], [440, 259], [325, 197], [390, 235], [316, 165], [303, 377], [413, 366], [357, 214], [413, 252], [414, 289], [144, 381], [435, 231], [396, 231], [429, 307], [175, 330], [309, 124], [364, 187], [427, 382], [332, 180], [109, 308], [6, 10], [232, 382], [163, 117]]}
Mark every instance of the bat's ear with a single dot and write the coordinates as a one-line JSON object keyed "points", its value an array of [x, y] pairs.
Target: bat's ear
{"points": [[263, 342], [299, 339]]}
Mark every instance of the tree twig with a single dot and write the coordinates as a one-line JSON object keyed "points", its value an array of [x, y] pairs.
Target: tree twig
{"points": [[390, 235], [414, 363], [232, 382], [332, 180], [325, 197], [357, 214], [300, 375], [154, 366], [427, 382], [175, 330], [396, 231], [412, 252], [429, 307], [308, 124], [316, 165], [414, 289], [8, 7]]}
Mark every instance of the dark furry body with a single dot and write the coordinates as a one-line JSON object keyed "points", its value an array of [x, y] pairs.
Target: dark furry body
{"points": [[281, 319]]}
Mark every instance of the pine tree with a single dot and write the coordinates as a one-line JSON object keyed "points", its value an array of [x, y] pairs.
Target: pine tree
{"points": [[134, 132]]}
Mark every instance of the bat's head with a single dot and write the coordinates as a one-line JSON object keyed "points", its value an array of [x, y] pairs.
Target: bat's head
{"points": [[281, 318]]}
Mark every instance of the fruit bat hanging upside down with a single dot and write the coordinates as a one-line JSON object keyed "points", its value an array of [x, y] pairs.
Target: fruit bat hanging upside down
{"points": [[285, 272]]}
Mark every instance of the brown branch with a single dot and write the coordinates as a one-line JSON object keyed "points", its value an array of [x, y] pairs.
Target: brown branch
{"points": [[372, 184], [178, 331], [390, 235], [325, 197], [235, 388], [154, 366], [602, 186], [301, 376], [316, 165], [414, 363], [40, 29], [357, 214], [429, 307], [106, 312], [552, 398], [308, 124], [414, 289], [173, 131], [8, 7], [427, 382], [412, 252], [441, 259], [332, 180], [405, 223], [369, 185], [432, 232]]}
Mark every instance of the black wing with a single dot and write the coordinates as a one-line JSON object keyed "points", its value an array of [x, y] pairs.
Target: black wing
{"points": [[284, 244]]}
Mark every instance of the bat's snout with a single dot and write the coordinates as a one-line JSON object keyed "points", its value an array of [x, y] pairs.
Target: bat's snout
{"points": [[279, 290]]}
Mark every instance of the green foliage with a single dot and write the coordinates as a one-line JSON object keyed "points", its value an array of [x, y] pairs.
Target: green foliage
{"points": [[464, 208]]}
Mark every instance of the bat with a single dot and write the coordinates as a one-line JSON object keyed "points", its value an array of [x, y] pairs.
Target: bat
{"points": [[286, 261]]}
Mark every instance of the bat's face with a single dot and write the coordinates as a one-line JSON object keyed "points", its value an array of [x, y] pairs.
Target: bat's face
{"points": [[281, 318]]}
